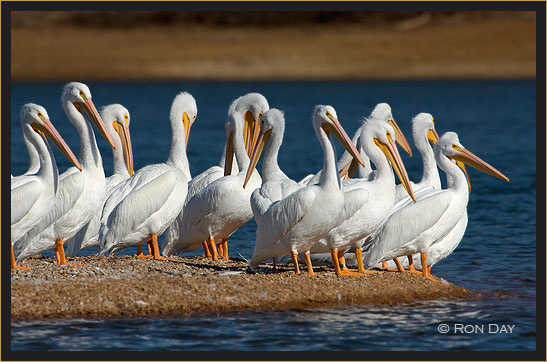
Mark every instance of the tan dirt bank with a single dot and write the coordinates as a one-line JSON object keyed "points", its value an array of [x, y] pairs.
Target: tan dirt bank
{"points": [[461, 45]]}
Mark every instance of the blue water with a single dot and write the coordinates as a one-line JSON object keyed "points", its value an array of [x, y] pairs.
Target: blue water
{"points": [[494, 119]]}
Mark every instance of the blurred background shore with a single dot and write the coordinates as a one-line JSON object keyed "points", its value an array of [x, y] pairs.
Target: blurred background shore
{"points": [[162, 45]]}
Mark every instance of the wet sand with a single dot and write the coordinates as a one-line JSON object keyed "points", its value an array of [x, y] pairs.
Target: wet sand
{"points": [[122, 286]]}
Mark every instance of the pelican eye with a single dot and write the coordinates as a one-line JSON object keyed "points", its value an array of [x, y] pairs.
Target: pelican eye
{"points": [[125, 117], [40, 115], [82, 94], [195, 115], [456, 147]]}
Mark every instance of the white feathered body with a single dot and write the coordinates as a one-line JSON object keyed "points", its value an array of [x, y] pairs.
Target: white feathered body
{"points": [[217, 211], [195, 186], [367, 206], [142, 205], [414, 229], [88, 236], [78, 198], [295, 223], [440, 249], [32, 194]]}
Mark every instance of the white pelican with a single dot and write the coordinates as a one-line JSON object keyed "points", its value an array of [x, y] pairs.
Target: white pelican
{"points": [[142, 207], [195, 186], [275, 184], [293, 224], [223, 206], [416, 227], [250, 107], [33, 193], [368, 202], [79, 195], [346, 166], [117, 121], [423, 130]]}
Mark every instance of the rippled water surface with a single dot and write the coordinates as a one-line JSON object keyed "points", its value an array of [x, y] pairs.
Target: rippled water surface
{"points": [[494, 119]]}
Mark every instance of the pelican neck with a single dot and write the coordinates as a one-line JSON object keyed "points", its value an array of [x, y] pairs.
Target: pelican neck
{"points": [[89, 157], [383, 168], [242, 158], [430, 172], [453, 172], [270, 167], [34, 157], [329, 176], [47, 167], [177, 154]]}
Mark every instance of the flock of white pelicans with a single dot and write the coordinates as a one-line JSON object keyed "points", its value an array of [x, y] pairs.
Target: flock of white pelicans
{"points": [[327, 213]]}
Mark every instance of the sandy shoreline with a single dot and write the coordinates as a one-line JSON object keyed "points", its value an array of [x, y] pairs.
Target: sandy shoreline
{"points": [[456, 46], [123, 286]]}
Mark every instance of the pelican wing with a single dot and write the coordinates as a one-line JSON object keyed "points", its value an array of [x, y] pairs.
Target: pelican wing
{"points": [[195, 186], [259, 203], [23, 198], [278, 220], [70, 189], [144, 199], [203, 180], [205, 202], [406, 224], [89, 234]]}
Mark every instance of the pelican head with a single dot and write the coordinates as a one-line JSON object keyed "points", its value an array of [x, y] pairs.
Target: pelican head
{"points": [[272, 121], [79, 96], [382, 111], [450, 146], [117, 121], [424, 124], [36, 117], [184, 109], [384, 137], [251, 106], [325, 117]]}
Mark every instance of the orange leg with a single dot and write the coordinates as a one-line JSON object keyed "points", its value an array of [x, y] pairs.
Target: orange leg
{"points": [[384, 267], [225, 249], [411, 265], [425, 271], [359, 258], [150, 246], [156, 250], [140, 254], [399, 265], [294, 256], [57, 256], [60, 253], [334, 255], [213, 248], [14, 264], [308, 264], [206, 251], [342, 261]]}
